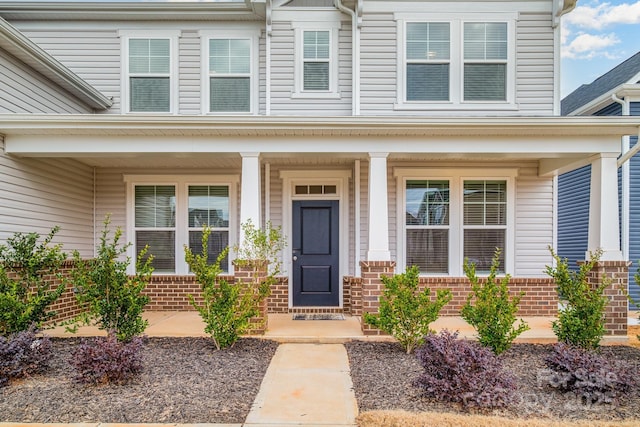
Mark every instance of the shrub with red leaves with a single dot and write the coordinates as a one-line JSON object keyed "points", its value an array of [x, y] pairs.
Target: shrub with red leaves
{"points": [[593, 377], [464, 372], [107, 360], [23, 354]]}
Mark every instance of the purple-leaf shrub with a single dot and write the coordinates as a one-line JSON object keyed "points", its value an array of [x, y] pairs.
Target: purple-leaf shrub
{"points": [[23, 354], [107, 360], [594, 378], [463, 372]]}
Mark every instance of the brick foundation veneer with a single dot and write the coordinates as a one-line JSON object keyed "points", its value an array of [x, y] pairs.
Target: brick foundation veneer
{"points": [[372, 289], [278, 301], [66, 306], [616, 313]]}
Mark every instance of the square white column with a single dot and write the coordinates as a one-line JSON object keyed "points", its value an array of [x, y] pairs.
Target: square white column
{"points": [[250, 200], [378, 209]]}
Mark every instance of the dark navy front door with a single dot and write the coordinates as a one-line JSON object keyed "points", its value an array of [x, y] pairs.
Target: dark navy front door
{"points": [[315, 253]]}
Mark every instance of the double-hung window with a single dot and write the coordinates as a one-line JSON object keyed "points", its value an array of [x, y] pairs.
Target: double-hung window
{"points": [[148, 71], [230, 78], [447, 62], [485, 61], [167, 214], [316, 59], [453, 215], [428, 61]]}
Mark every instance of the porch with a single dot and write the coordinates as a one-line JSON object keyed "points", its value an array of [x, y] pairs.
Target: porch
{"points": [[282, 328]]}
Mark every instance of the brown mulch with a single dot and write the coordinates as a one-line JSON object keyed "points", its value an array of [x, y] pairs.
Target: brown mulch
{"points": [[383, 376], [185, 380]]}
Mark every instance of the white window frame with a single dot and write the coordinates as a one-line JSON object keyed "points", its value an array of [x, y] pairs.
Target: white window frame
{"points": [[247, 34], [456, 62], [333, 27], [181, 183], [456, 178], [172, 36]]}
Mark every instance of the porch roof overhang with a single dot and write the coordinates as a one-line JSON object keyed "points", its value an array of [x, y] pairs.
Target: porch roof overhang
{"points": [[557, 143]]}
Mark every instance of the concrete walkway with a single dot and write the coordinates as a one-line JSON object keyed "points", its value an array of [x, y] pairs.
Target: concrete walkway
{"points": [[306, 384]]}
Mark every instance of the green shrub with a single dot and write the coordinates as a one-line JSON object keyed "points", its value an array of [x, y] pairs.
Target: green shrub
{"points": [[581, 322], [113, 299], [493, 313], [25, 295], [260, 246], [227, 308], [405, 312]]}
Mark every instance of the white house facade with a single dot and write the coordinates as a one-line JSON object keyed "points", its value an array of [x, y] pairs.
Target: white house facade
{"points": [[377, 134]]}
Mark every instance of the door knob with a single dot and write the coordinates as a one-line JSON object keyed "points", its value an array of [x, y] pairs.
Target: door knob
{"points": [[295, 258]]}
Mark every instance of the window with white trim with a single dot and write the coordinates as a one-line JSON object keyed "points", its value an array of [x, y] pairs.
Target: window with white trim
{"points": [[450, 215], [149, 70], [484, 222], [167, 215], [450, 62], [230, 75], [485, 61], [316, 60]]}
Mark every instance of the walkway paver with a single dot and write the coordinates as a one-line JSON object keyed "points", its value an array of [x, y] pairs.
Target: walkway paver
{"points": [[306, 384]]}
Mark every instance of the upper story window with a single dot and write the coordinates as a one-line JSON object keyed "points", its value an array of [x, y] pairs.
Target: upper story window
{"points": [[166, 214], [452, 63], [316, 59], [230, 80], [149, 75], [485, 61]]}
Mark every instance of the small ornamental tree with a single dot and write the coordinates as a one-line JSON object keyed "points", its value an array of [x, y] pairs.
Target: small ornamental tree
{"points": [[405, 311], [227, 308], [25, 294], [493, 311], [581, 322], [113, 298], [261, 246]]}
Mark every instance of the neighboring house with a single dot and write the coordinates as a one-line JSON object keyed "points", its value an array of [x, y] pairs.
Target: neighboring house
{"points": [[615, 93], [378, 134]]}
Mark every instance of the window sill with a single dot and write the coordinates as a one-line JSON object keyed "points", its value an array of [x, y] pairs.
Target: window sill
{"points": [[439, 106], [315, 95]]}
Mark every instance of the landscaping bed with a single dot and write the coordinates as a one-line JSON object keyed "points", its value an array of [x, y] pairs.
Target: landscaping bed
{"points": [[185, 380], [383, 376]]}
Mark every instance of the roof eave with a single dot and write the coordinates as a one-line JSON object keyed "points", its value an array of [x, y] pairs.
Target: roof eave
{"points": [[14, 42], [622, 91]]}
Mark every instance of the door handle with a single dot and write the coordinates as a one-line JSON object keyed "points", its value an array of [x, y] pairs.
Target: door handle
{"points": [[295, 258]]}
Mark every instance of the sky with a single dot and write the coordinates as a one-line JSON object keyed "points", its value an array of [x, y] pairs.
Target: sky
{"points": [[597, 36]]}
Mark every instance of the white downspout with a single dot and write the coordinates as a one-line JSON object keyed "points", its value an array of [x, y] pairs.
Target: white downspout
{"points": [[622, 162], [268, 30], [356, 24]]}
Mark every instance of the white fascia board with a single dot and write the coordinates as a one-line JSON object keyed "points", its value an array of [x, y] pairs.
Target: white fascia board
{"points": [[526, 147], [14, 42], [622, 91]]}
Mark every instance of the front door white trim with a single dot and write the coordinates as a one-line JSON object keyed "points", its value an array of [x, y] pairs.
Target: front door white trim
{"points": [[339, 178]]}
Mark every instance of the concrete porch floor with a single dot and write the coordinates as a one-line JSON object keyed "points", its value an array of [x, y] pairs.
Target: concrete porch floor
{"points": [[282, 328]]}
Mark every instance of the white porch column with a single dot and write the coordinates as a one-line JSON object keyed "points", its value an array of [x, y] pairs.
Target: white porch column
{"points": [[250, 189], [378, 209], [604, 228]]}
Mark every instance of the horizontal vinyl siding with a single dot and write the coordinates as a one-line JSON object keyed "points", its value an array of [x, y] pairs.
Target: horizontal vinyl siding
{"points": [[534, 225], [283, 76], [534, 67], [573, 214], [22, 90], [189, 90], [94, 55], [38, 194], [378, 47]]}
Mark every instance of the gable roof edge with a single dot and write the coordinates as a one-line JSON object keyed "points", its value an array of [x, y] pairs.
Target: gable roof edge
{"points": [[16, 43]]}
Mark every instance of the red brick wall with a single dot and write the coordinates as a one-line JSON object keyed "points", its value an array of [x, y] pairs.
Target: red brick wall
{"points": [[66, 306], [278, 301], [616, 312]]}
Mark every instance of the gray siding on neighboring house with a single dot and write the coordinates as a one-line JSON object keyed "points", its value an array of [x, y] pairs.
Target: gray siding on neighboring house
{"points": [[573, 214], [634, 219], [23, 90], [38, 194]]}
